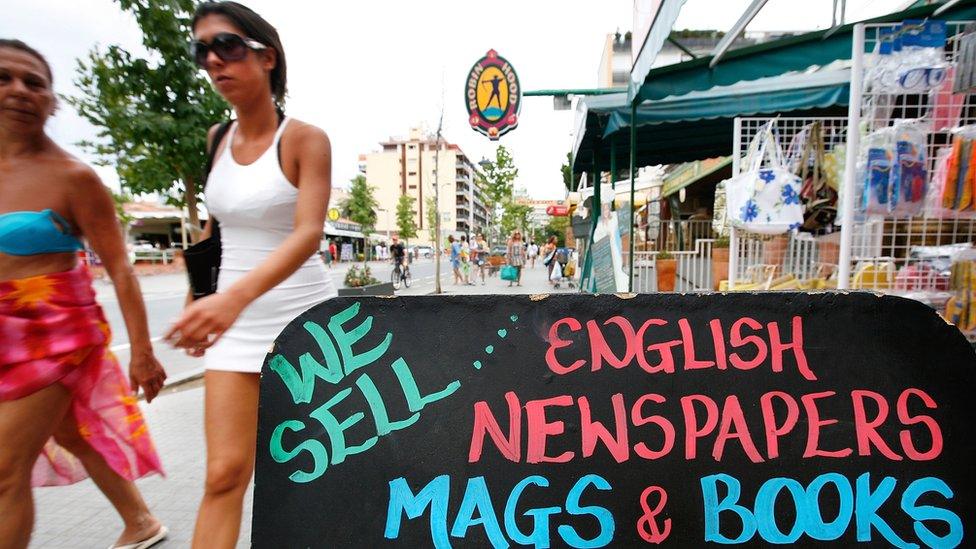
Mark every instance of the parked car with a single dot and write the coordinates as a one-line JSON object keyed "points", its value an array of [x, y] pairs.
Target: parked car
{"points": [[499, 250], [422, 251]]}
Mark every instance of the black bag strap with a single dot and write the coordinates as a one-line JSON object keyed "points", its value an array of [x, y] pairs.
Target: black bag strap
{"points": [[212, 152]]}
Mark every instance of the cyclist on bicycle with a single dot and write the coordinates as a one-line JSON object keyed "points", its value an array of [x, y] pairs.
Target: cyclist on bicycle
{"points": [[398, 253]]}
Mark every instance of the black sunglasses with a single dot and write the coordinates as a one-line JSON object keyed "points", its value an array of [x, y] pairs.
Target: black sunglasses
{"points": [[228, 47]]}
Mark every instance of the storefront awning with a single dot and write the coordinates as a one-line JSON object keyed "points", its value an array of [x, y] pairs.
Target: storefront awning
{"points": [[698, 125], [776, 57], [690, 172], [331, 229]]}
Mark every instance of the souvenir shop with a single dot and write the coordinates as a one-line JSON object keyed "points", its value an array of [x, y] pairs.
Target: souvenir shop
{"points": [[883, 199]]}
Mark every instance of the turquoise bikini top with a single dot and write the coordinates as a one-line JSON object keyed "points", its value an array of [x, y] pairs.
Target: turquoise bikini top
{"points": [[35, 233]]}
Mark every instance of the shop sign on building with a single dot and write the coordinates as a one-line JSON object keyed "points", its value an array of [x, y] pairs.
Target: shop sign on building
{"points": [[493, 96]]}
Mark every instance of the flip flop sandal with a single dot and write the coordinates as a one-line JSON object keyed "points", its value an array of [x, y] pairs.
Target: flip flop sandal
{"points": [[146, 543]]}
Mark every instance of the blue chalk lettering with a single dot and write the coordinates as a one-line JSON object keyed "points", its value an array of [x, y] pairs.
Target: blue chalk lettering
{"points": [[540, 517], [713, 507], [402, 501], [476, 497], [866, 508], [922, 513], [766, 510], [816, 527], [603, 515]]}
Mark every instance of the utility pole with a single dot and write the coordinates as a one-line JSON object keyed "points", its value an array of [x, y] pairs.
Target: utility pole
{"points": [[437, 201]]}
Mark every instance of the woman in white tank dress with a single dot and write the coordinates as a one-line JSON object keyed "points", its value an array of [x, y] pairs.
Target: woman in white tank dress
{"points": [[269, 189]]}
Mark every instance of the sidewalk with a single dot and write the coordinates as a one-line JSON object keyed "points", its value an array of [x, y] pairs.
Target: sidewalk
{"points": [[534, 281], [80, 516]]}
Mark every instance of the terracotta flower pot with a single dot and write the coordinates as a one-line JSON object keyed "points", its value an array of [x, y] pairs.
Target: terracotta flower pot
{"points": [[720, 266], [774, 251], [666, 274]]}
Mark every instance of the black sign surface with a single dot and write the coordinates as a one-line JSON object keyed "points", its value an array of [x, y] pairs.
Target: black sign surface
{"points": [[592, 421]]}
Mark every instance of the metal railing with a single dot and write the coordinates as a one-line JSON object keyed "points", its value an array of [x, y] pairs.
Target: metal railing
{"points": [[693, 272]]}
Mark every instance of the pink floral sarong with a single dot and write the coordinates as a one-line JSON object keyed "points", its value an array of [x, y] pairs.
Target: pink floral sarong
{"points": [[53, 331]]}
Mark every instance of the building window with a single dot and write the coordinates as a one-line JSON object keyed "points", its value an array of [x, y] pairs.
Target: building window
{"points": [[412, 174], [411, 186]]}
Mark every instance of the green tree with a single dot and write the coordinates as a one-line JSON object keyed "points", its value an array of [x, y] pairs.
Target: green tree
{"points": [[405, 216], [431, 206], [497, 182], [152, 113], [557, 227], [515, 217], [569, 179], [360, 208]]}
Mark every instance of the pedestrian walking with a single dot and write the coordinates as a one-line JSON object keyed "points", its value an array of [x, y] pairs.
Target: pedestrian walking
{"points": [[466, 260], [549, 258], [516, 256], [479, 251], [334, 251], [326, 254], [455, 250], [532, 251], [269, 190], [67, 410]]}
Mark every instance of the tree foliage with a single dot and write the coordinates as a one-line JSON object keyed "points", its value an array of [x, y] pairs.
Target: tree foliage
{"points": [[361, 205], [515, 217], [569, 180], [497, 182], [557, 227], [406, 217], [152, 113], [431, 205]]}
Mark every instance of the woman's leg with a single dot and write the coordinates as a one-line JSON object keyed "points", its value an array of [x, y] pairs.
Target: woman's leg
{"points": [[519, 271], [231, 419], [25, 425], [139, 522]]}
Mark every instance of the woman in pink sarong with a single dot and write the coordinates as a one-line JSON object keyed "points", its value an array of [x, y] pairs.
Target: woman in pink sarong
{"points": [[66, 409]]}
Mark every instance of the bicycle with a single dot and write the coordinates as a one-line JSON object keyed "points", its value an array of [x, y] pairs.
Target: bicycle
{"points": [[400, 275]]}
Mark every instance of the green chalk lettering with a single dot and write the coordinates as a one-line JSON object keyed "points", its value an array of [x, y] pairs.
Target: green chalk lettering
{"points": [[345, 340], [336, 429], [320, 456], [415, 402], [378, 407]]}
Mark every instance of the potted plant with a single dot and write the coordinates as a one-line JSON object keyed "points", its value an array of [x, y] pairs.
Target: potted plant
{"points": [[360, 281], [666, 266], [720, 261]]}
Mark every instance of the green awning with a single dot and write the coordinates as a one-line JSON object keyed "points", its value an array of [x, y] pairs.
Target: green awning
{"points": [[777, 57], [690, 172], [698, 125], [768, 95]]}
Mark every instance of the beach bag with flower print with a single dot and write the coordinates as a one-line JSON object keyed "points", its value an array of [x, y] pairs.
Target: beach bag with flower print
{"points": [[765, 198]]}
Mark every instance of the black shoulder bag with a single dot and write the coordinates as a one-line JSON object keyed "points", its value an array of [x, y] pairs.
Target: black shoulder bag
{"points": [[203, 258]]}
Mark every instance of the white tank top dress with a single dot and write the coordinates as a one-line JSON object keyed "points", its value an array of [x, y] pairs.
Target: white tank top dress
{"points": [[255, 205]]}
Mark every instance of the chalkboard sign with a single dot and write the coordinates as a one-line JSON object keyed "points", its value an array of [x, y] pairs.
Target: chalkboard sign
{"points": [[590, 421]]}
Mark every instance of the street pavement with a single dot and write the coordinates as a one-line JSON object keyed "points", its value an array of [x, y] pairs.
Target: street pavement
{"points": [[79, 516]]}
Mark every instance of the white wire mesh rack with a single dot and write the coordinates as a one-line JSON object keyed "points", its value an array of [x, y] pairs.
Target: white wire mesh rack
{"points": [[794, 259], [910, 252]]}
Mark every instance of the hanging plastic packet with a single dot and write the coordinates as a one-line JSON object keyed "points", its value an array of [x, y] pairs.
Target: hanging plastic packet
{"points": [[908, 172], [919, 51], [875, 167]]}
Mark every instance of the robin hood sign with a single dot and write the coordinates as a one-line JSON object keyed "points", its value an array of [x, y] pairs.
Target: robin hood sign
{"points": [[493, 96]]}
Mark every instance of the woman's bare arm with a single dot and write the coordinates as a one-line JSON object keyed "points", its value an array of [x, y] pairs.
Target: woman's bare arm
{"points": [[93, 210]]}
